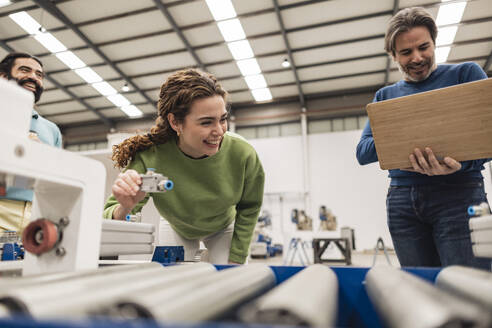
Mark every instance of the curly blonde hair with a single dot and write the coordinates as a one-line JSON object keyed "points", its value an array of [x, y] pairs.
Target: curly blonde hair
{"points": [[177, 94]]}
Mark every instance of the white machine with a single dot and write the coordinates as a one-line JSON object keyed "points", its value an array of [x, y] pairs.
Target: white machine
{"points": [[481, 230], [68, 190]]}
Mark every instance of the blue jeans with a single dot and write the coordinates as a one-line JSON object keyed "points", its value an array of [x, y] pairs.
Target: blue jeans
{"points": [[429, 224]]}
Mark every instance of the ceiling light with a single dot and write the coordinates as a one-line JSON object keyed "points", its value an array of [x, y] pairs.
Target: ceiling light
{"points": [[249, 67], [119, 100], [255, 81], [104, 88], [4, 3], [25, 21], [221, 9], [51, 43], [88, 75], [450, 13], [262, 94], [231, 30], [442, 54], [131, 111], [125, 88], [446, 35], [240, 49], [286, 63], [70, 59]]}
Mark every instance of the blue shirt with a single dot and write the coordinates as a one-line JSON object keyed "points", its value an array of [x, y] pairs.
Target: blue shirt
{"points": [[443, 76], [48, 133]]}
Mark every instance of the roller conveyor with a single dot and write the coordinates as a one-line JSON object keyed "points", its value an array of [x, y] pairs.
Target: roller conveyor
{"points": [[297, 301]]}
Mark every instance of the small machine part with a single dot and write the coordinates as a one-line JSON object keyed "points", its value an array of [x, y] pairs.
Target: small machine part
{"points": [[479, 210], [155, 182], [168, 254], [134, 217], [126, 238], [43, 235]]}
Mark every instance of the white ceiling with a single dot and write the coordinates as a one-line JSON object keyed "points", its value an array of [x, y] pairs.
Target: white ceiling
{"points": [[336, 45]]}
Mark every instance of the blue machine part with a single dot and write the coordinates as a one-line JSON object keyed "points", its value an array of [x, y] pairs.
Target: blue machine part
{"points": [[168, 254], [12, 252]]}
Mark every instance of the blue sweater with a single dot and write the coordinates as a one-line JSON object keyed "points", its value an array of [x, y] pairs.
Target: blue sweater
{"points": [[443, 76]]}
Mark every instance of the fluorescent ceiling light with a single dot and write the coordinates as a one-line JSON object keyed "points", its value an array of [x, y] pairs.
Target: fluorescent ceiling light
{"points": [[446, 35], [104, 88], [25, 21], [262, 94], [119, 100], [442, 54], [240, 49], [4, 3], [51, 43], [221, 9], [450, 13], [70, 59], [88, 75], [255, 81], [231, 30], [131, 111], [249, 67]]}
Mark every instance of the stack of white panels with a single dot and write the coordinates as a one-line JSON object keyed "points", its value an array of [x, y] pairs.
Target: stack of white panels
{"points": [[123, 238], [481, 235]]}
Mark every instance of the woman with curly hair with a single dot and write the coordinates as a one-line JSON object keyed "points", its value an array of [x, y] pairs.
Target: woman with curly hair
{"points": [[218, 176]]}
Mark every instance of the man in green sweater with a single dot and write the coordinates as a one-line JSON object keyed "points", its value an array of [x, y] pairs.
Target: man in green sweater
{"points": [[218, 176]]}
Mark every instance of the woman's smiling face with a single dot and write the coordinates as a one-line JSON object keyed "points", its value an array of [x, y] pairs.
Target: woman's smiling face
{"points": [[201, 132]]}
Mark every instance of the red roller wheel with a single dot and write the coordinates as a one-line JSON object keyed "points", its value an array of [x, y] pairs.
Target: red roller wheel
{"points": [[40, 236]]}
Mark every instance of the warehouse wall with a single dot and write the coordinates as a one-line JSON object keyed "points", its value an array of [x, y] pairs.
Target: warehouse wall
{"points": [[355, 194]]}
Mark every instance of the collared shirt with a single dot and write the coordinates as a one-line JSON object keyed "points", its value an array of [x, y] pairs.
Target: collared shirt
{"points": [[48, 133]]}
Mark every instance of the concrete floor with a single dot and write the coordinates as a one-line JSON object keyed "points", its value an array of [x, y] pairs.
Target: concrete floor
{"points": [[359, 259]]}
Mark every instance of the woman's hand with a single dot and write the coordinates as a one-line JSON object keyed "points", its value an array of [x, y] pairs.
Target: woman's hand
{"points": [[126, 190]]}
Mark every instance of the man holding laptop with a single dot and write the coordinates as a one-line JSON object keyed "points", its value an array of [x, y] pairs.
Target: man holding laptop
{"points": [[427, 204]]}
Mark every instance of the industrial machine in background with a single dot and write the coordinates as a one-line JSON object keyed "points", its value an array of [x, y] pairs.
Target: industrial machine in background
{"points": [[301, 219], [11, 248], [262, 246], [328, 221]]}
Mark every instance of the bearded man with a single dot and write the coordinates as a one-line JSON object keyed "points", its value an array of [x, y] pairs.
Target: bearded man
{"points": [[427, 204], [27, 71]]}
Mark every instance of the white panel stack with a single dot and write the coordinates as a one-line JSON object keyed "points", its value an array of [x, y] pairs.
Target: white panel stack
{"points": [[481, 235], [123, 238]]}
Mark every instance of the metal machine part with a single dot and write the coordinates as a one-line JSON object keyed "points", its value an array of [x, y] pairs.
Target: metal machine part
{"points": [[134, 218], [42, 235], [479, 210], [155, 182], [297, 301], [80, 296], [203, 298], [470, 283], [65, 185], [405, 301], [123, 238]]}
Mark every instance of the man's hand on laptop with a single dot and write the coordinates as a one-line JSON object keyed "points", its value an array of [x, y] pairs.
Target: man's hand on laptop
{"points": [[430, 165]]}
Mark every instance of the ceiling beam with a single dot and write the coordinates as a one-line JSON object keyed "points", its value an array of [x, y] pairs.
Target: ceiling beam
{"points": [[179, 32], [103, 118], [302, 100], [53, 10]]}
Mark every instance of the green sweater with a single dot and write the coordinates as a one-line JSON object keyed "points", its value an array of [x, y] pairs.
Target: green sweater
{"points": [[209, 193]]}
